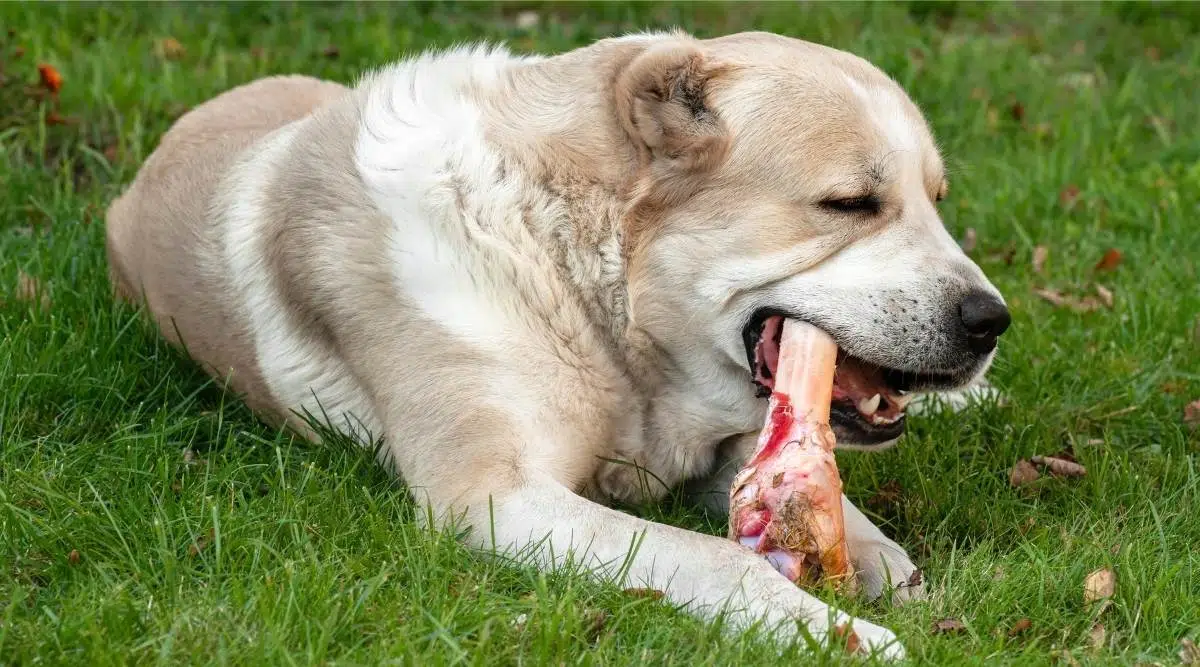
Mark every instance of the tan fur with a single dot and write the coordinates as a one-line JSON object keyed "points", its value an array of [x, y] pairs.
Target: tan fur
{"points": [[593, 229], [159, 225]]}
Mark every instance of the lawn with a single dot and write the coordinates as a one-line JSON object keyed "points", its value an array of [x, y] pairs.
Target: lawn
{"points": [[147, 518]]}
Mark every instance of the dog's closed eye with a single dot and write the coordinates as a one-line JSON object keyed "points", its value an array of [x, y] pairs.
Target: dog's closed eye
{"points": [[865, 205]]}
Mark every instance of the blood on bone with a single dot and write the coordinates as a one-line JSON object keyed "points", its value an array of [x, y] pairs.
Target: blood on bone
{"points": [[778, 424], [786, 502]]}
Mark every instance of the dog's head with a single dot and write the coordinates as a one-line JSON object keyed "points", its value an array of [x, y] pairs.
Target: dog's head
{"points": [[783, 178]]}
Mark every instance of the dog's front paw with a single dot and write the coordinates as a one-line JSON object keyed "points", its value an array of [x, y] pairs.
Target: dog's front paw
{"points": [[884, 566]]}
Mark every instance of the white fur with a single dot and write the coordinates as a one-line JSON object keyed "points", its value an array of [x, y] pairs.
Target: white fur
{"points": [[299, 374]]}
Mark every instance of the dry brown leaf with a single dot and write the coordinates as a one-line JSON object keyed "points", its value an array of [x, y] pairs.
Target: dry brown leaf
{"points": [[969, 240], [1173, 387], [169, 48], [853, 643], [50, 78], [1060, 466], [1189, 653], [1191, 414], [652, 593], [1053, 296], [594, 622], [1069, 195], [1020, 627], [948, 626], [1022, 473], [1110, 261], [1096, 636], [1099, 586], [73, 557], [1040, 254], [31, 290], [200, 543], [1105, 294], [1018, 111]]}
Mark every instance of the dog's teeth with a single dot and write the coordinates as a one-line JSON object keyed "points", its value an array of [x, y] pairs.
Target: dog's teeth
{"points": [[901, 400], [868, 406]]}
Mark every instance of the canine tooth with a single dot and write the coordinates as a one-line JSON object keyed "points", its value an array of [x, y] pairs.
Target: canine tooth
{"points": [[868, 406], [901, 400]]}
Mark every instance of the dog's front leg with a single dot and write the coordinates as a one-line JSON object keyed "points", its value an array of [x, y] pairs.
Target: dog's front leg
{"points": [[708, 575], [881, 563]]}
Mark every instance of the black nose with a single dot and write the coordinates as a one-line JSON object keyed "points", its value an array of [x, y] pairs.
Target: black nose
{"points": [[985, 318]]}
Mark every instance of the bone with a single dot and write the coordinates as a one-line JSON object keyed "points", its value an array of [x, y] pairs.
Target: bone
{"points": [[786, 503]]}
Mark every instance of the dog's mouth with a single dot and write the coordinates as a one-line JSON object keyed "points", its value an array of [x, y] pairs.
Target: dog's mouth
{"points": [[868, 400]]}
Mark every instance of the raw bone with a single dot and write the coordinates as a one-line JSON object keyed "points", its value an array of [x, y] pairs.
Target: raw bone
{"points": [[787, 502]]}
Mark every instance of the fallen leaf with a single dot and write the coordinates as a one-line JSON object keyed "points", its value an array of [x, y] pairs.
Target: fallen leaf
{"points": [[18, 53], [1191, 414], [50, 78], [1096, 636], [1020, 627], [1111, 260], [594, 622], [1040, 253], [1069, 195], [169, 48], [73, 557], [331, 51], [853, 643], [1099, 587], [948, 626], [915, 579], [1022, 473], [1173, 387], [1018, 111], [31, 290], [1189, 653], [1053, 296], [1059, 466], [969, 240], [652, 593], [1105, 294], [889, 493], [200, 543]]}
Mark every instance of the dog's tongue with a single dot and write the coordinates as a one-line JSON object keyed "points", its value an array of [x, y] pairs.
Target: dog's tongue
{"points": [[787, 502]]}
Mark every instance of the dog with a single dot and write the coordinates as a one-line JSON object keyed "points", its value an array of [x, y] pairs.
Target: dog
{"points": [[538, 284]]}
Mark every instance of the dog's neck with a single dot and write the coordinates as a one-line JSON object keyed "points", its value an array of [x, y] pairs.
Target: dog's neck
{"points": [[555, 118]]}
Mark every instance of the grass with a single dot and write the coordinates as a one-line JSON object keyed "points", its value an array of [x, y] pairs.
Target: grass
{"points": [[145, 518]]}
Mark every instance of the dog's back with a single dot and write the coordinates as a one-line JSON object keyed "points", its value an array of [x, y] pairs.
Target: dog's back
{"points": [[164, 245]]}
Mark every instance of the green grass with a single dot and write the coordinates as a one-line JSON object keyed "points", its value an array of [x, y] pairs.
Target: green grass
{"points": [[144, 518]]}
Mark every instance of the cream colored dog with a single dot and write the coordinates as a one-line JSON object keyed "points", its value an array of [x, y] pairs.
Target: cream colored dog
{"points": [[543, 282]]}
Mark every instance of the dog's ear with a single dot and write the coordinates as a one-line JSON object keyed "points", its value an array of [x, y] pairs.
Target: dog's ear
{"points": [[662, 98]]}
